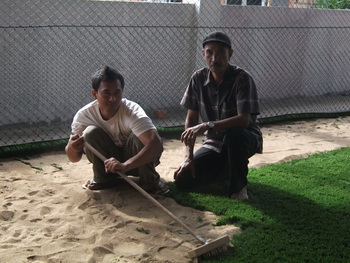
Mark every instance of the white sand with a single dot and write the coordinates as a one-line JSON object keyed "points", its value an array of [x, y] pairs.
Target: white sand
{"points": [[46, 216]]}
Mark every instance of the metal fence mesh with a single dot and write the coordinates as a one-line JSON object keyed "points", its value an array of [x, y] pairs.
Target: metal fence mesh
{"points": [[299, 57]]}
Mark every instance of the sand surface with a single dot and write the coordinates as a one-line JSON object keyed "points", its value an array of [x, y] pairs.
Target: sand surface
{"points": [[46, 216]]}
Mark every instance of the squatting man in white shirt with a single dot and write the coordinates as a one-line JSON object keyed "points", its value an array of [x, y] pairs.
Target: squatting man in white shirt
{"points": [[120, 130]]}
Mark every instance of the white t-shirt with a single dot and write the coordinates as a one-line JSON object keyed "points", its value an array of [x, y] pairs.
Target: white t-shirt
{"points": [[130, 117]]}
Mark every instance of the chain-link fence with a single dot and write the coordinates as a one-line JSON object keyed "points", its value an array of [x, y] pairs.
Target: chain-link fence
{"points": [[299, 57]]}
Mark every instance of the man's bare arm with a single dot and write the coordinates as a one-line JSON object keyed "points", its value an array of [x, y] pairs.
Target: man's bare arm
{"points": [[241, 120], [153, 148], [74, 148]]}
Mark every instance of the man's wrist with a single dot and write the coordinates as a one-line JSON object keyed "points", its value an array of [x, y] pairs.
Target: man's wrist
{"points": [[210, 125]]}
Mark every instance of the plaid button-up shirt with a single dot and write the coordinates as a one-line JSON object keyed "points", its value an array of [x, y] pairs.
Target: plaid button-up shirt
{"points": [[236, 94]]}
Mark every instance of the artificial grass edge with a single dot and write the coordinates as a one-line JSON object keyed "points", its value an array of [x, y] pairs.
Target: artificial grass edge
{"points": [[298, 211]]}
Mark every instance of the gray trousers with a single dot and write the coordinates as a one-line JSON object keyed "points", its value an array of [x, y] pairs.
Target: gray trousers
{"points": [[102, 142]]}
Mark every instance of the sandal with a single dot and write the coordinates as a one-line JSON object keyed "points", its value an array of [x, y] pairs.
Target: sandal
{"points": [[161, 189], [92, 185]]}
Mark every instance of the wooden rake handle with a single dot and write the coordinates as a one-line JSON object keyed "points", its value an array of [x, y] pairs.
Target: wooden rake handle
{"points": [[147, 195]]}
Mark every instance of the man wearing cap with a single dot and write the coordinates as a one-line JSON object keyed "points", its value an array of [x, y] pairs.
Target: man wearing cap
{"points": [[224, 98]]}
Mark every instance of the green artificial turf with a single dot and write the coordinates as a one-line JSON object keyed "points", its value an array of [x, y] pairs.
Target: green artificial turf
{"points": [[298, 211]]}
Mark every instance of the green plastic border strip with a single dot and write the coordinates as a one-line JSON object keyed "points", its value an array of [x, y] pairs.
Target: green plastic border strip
{"points": [[32, 148], [165, 132]]}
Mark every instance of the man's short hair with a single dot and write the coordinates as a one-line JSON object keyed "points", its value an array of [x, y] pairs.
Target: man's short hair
{"points": [[106, 74], [217, 36]]}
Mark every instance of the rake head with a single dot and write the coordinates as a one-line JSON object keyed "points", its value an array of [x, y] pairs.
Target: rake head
{"points": [[211, 248]]}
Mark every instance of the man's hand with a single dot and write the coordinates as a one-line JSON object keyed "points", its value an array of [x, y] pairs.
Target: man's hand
{"points": [[76, 143], [74, 148], [112, 165], [190, 134], [185, 165]]}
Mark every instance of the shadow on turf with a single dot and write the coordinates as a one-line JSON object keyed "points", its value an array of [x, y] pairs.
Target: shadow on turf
{"points": [[284, 224]]}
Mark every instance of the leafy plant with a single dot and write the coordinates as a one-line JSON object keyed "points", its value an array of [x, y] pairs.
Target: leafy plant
{"points": [[142, 230], [28, 163], [58, 167], [333, 4]]}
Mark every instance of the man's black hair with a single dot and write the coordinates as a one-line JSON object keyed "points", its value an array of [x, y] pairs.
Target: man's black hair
{"points": [[106, 74]]}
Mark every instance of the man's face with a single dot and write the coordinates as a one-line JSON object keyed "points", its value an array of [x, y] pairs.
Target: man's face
{"points": [[216, 56], [109, 97]]}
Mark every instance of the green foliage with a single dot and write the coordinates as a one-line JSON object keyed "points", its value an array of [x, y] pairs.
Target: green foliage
{"points": [[333, 4], [142, 230], [28, 163], [297, 211], [58, 167]]}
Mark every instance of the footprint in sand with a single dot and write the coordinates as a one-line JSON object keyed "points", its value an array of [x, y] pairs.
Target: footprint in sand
{"points": [[33, 193], [99, 253], [7, 204], [45, 210], [35, 220], [54, 220], [6, 215], [49, 192], [24, 217], [17, 233]]}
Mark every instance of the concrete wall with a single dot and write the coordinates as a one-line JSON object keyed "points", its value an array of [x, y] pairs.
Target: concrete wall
{"points": [[290, 52], [48, 57], [49, 50]]}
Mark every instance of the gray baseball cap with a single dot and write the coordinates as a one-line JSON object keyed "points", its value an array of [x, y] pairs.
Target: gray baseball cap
{"points": [[217, 36]]}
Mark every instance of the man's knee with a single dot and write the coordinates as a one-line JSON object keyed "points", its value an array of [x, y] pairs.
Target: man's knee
{"points": [[133, 144], [237, 138], [92, 132], [184, 180]]}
